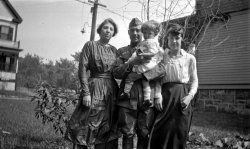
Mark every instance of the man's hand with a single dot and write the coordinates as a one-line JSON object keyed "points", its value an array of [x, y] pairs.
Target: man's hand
{"points": [[138, 51], [138, 60], [86, 100]]}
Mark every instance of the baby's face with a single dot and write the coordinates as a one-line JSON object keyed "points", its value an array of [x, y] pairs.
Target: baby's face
{"points": [[148, 34]]}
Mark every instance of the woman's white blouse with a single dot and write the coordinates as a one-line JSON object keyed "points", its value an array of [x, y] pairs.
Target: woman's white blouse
{"points": [[181, 69]]}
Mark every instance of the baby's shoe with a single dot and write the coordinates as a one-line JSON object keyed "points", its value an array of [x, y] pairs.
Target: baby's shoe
{"points": [[124, 96], [147, 104]]}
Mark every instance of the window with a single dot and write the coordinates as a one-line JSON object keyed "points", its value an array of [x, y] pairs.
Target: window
{"points": [[6, 32], [7, 62]]}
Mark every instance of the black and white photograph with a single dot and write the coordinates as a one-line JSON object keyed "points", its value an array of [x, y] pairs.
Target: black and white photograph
{"points": [[124, 74]]}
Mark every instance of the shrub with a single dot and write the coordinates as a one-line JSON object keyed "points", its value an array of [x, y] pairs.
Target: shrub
{"points": [[53, 105]]}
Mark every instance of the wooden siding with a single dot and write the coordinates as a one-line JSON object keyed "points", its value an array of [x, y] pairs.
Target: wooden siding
{"points": [[5, 13], [223, 56]]}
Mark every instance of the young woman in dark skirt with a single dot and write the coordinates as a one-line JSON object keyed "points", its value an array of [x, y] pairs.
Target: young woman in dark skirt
{"points": [[170, 130]]}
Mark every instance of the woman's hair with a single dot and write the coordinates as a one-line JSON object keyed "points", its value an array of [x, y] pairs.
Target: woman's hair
{"points": [[174, 29], [108, 20], [151, 25]]}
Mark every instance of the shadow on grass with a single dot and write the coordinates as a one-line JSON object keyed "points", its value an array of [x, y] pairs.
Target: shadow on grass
{"points": [[218, 125], [27, 132], [17, 117], [16, 93], [27, 142], [222, 121]]}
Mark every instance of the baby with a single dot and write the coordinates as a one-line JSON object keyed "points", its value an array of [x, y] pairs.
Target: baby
{"points": [[148, 48]]}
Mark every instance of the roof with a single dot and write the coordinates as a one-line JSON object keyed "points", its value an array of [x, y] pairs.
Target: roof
{"points": [[10, 49], [17, 17], [206, 8], [223, 6]]}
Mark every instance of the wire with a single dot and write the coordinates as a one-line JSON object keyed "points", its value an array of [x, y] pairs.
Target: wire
{"points": [[84, 2], [116, 13], [111, 11]]}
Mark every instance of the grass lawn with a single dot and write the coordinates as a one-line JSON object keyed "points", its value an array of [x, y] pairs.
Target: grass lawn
{"points": [[14, 93], [17, 117]]}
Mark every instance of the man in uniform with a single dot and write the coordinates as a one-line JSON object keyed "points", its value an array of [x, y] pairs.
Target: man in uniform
{"points": [[133, 117]]}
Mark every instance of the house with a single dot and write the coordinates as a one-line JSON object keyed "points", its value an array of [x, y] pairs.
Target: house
{"points": [[9, 46], [223, 52]]}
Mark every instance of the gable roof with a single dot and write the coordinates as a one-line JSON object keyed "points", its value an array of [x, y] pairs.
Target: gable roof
{"points": [[17, 17], [224, 6], [209, 7]]}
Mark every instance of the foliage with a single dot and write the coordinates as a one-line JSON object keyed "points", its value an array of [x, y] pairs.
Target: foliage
{"points": [[53, 104], [66, 74], [201, 141], [196, 24], [56, 86], [30, 71], [76, 56], [33, 70]]}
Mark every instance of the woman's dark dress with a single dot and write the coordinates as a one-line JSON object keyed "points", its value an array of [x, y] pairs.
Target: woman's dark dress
{"points": [[95, 124], [171, 125]]}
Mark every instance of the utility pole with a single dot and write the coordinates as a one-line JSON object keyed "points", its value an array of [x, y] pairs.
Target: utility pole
{"points": [[148, 10], [94, 11]]}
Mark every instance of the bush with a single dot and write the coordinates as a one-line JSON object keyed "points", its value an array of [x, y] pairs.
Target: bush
{"points": [[53, 105]]}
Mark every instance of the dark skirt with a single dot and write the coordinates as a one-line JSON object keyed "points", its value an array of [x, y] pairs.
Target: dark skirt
{"points": [[170, 130], [98, 124]]}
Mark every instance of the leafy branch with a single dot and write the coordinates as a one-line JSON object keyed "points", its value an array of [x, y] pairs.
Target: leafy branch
{"points": [[53, 105]]}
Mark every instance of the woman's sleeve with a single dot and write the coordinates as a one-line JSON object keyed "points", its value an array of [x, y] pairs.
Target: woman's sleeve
{"points": [[83, 67], [193, 76]]}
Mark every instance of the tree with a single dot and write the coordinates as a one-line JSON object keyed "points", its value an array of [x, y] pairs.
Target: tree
{"points": [[50, 73], [65, 70], [53, 101], [76, 56], [30, 71], [195, 15]]}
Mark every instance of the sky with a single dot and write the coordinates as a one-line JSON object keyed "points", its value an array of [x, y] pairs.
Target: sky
{"points": [[51, 29]]}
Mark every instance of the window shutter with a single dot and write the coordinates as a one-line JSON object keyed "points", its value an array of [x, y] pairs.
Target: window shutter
{"points": [[0, 31]]}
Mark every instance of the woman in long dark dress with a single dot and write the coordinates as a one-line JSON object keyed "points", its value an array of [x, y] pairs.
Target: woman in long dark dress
{"points": [[170, 130], [93, 122]]}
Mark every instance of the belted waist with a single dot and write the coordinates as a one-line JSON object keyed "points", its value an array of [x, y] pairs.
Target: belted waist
{"points": [[102, 75], [173, 83]]}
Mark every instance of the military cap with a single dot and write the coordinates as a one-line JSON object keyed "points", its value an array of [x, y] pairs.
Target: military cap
{"points": [[135, 22]]}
